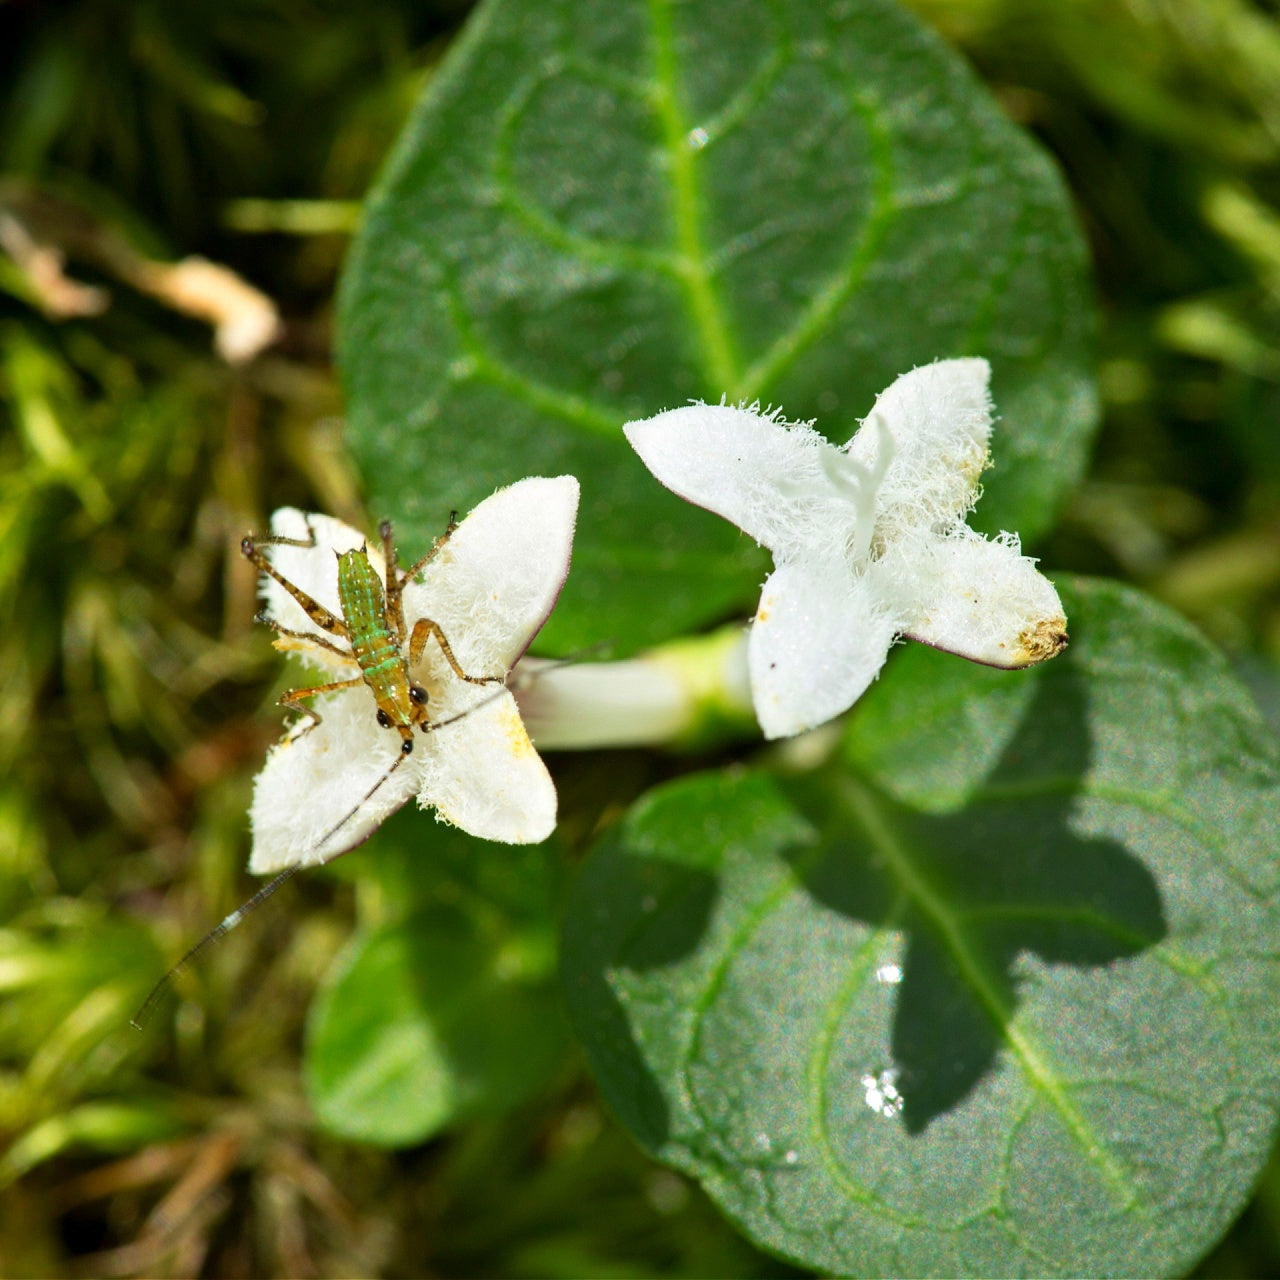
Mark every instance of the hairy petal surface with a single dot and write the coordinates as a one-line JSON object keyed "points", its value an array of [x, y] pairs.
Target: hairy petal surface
{"points": [[493, 583], [939, 416], [818, 640], [983, 600], [487, 590], [315, 778], [756, 470], [868, 541], [484, 776]]}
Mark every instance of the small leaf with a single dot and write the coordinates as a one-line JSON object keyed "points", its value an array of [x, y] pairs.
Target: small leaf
{"points": [[444, 1004], [1019, 1019], [604, 208], [427, 1021]]}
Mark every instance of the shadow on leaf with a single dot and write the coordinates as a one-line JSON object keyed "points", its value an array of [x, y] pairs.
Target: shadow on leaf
{"points": [[681, 898], [973, 892]]}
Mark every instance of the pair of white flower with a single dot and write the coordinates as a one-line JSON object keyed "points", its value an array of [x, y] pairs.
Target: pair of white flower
{"points": [[869, 544]]}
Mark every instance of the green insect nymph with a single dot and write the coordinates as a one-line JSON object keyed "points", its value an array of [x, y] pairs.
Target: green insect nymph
{"points": [[373, 626], [378, 648]]}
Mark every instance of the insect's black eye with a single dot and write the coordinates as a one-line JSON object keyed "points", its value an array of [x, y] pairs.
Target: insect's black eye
{"points": [[383, 719], [419, 695], [406, 746]]}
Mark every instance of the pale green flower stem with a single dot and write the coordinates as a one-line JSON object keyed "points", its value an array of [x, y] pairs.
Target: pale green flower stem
{"points": [[683, 694]]}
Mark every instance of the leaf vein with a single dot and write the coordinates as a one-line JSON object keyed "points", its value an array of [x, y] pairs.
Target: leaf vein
{"points": [[482, 365], [949, 929], [844, 283]]}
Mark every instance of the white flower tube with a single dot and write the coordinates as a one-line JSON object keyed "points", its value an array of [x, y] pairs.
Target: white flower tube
{"points": [[684, 694], [869, 541]]}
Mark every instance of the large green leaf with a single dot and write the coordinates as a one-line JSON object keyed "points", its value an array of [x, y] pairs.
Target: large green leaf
{"points": [[1018, 1016], [603, 208]]}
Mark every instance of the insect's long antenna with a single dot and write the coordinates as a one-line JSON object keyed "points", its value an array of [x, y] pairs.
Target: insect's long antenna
{"points": [[431, 727], [220, 930], [140, 1019], [351, 813]]}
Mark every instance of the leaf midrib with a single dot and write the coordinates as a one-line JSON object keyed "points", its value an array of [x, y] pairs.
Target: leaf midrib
{"points": [[689, 260], [708, 317]]}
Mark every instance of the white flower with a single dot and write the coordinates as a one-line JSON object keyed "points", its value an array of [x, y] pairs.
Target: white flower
{"points": [[490, 587], [869, 540]]}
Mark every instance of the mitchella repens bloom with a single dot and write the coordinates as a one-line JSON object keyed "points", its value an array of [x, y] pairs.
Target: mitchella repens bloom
{"points": [[489, 588], [869, 540]]}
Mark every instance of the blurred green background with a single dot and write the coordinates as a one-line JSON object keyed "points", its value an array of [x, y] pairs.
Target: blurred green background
{"points": [[135, 690]]}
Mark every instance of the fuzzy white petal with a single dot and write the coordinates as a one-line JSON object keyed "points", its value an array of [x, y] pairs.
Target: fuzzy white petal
{"points": [[939, 417], [314, 570], [492, 585], [868, 540], [983, 600], [313, 780], [765, 475], [818, 640], [484, 776]]}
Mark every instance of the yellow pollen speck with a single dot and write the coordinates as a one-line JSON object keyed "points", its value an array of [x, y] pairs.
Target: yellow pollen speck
{"points": [[517, 734]]}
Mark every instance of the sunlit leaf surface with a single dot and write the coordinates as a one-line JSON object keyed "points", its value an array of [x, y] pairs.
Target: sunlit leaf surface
{"points": [[604, 208]]}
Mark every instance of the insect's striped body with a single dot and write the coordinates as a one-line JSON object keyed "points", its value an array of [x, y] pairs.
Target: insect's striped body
{"points": [[375, 643]]}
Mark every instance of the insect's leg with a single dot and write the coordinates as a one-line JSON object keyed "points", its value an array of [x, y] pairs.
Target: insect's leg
{"points": [[293, 699], [279, 539], [448, 533], [423, 630], [396, 579], [394, 582], [389, 552], [314, 610], [309, 636]]}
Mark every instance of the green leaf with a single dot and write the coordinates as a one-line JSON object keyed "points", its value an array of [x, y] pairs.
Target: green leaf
{"points": [[444, 1005], [413, 862], [430, 1020], [1018, 1018], [602, 208], [931, 729]]}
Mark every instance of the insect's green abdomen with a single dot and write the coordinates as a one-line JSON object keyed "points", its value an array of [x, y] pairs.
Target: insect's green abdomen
{"points": [[364, 609]]}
